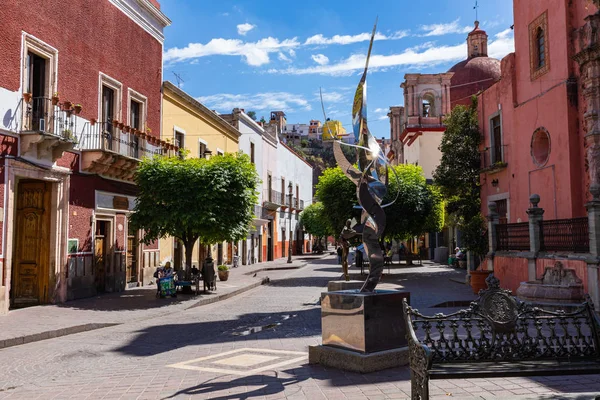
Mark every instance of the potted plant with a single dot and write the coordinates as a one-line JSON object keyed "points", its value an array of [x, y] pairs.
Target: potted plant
{"points": [[121, 125], [55, 99], [67, 105], [115, 123], [77, 107], [126, 128], [93, 121], [27, 97], [223, 271], [476, 241]]}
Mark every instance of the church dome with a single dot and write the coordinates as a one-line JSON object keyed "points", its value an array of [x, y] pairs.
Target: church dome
{"points": [[477, 72]]}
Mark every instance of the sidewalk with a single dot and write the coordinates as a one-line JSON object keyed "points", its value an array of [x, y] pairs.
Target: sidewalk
{"points": [[48, 321]]}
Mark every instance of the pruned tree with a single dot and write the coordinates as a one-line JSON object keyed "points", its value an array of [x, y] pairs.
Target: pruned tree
{"points": [[252, 114], [458, 173], [314, 221], [195, 199], [338, 195]]}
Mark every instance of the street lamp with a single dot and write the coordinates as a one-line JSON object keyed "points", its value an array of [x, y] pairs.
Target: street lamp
{"points": [[290, 190]]}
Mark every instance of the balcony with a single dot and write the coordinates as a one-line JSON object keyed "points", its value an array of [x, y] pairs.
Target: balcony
{"points": [[113, 150], [493, 159], [47, 130], [272, 199]]}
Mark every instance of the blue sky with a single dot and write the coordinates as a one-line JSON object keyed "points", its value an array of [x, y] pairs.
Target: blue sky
{"points": [[275, 55]]}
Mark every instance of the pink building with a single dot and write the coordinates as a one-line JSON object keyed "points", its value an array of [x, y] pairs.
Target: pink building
{"points": [[80, 99], [537, 122]]}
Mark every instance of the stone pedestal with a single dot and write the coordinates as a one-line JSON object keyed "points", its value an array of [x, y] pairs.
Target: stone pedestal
{"points": [[362, 332], [334, 286]]}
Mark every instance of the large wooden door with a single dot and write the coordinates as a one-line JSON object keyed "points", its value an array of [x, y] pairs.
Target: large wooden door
{"points": [[132, 256], [30, 270], [102, 259]]}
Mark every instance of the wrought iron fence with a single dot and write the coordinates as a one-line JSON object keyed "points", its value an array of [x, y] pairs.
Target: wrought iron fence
{"points": [[106, 136], [565, 235], [41, 115], [512, 237]]}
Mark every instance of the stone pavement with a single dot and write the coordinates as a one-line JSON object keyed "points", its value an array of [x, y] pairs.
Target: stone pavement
{"points": [[251, 346], [131, 305]]}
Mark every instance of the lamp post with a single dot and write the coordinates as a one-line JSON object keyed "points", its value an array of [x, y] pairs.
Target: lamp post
{"points": [[290, 190]]}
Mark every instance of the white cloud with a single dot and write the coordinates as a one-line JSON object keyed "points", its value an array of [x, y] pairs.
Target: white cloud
{"points": [[283, 57], [243, 29], [330, 97], [380, 110], [503, 45], [356, 62], [292, 52], [257, 101], [253, 53], [320, 59], [445, 29], [349, 39], [224, 14]]}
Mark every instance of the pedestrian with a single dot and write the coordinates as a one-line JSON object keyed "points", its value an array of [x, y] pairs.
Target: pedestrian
{"points": [[339, 254]]}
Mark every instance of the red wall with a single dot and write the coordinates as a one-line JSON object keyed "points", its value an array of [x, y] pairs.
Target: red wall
{"points": [[580, 268], [527, 105], [90, 36], [511, 272]]}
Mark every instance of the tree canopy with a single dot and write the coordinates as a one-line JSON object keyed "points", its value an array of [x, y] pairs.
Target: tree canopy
{"points": [[252, 114], [314, 220], [417, 208], [338, 195], [195, 198], [458, 174]]}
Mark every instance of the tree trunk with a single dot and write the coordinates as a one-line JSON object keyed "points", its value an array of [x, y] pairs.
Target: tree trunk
{"points": [[189, 249]]}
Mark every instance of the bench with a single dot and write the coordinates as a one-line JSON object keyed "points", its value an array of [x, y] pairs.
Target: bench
{"points": [[415, 257], [500, 336]]}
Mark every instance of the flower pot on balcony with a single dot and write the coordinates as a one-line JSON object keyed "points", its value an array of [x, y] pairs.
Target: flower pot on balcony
{"points": [[77, 108], [478, 280], [93, 121], [115, 123], [27, 97], [126, 128], [121, 125], [55, 100], [67, 105]]}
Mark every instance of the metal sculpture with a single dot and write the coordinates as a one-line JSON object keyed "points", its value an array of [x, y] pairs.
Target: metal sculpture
{"points": [[369, 188]]}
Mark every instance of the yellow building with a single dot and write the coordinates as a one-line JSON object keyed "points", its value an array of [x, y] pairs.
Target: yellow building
{"points": [[333, 129], [190, 125]]}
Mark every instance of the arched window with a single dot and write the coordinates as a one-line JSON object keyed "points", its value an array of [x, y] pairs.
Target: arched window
{"points": [[540, 46], [428, 104]]}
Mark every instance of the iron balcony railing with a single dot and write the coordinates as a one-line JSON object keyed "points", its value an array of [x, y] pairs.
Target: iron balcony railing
{"points": [[110, 137], [513, 237], [41, 115], [261, 212], [570, 235], [493, 157], [273, 197]]}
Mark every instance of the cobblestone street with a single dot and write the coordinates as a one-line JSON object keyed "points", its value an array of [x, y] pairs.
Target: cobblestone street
{"points": [[251, 346]]}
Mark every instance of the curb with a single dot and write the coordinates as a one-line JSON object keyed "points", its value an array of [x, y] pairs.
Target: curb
{"points": [[301, 265], [226, 296], [71, 330]]}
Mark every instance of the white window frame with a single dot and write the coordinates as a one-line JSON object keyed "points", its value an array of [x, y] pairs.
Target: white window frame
{"points": [[202, 142], [177, 130], [132, 95], [44, 50], [220, 152], [105, 80]]}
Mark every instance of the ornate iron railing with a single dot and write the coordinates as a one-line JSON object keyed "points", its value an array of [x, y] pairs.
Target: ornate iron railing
{"points": [[41, 115], [565, 235], [512, 237], [106, 136], [261, 212], [273, 197], [493, 157]]}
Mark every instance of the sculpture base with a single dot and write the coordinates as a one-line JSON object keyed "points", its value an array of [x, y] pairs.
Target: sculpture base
{"points": [[356, 362], [363, 322], [334, 286]]}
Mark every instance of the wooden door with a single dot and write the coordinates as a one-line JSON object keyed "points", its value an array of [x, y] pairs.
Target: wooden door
{"points": [[30, 270], [132, 256], [102, 259]]}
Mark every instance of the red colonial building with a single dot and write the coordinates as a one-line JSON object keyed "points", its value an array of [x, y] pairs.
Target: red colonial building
{"points": [[80, 105], [541, 136]]}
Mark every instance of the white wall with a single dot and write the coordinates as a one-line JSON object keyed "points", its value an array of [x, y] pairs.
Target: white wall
{"points": [[425, 151]]}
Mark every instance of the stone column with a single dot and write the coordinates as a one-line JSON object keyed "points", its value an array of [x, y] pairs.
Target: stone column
{"points": [[587, 55], [536, 216], [493, 221]]}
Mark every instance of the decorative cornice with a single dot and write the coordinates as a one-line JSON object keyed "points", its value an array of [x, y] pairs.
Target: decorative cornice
{"points": [[142, 20], [587, 39]]}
